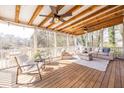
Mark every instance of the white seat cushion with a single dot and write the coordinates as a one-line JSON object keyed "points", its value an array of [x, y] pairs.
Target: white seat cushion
{"points": [[24, 60]]}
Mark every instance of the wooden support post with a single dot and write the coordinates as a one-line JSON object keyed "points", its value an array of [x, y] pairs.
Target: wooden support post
{"points": [[86, 39], [123, 35], [67, 42], [123, 32], [55, 45], [75, 42], [92, 39], [101, 38], [35, 40]]}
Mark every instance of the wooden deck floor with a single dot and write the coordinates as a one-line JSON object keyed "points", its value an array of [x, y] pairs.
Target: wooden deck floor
{"points": [[72, 75]]}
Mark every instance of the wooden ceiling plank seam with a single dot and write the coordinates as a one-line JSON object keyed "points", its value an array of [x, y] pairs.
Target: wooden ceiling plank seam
{"points": [[73, 9], [115, 23], [119, 13], [78, 15], [116, 13], [17, 12], [100, 24], [98, 16], [48, 18], [86, 17], [90, 16], [35, 14], [108, 23], [95, 24]]}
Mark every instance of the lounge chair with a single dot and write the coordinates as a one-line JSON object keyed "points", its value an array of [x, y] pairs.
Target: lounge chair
{"points": [[66, 55], [25, 66]]}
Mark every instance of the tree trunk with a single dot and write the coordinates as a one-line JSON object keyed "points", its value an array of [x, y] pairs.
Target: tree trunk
{"points": [[122, 33], [111, 36]]}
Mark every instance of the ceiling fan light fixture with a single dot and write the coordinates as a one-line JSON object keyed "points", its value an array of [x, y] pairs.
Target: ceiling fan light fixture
{"points": [[56, 20], [85, 31]]}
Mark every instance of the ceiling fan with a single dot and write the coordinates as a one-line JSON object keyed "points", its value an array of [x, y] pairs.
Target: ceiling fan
{"points": [[85, 29], [56, 16]]}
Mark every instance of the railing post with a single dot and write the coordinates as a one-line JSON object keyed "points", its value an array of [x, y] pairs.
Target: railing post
{"points": [[75, 42], [101, 37], [123, 35], [92, 39], [67, 41], [86, 39], [55, 44], [35, 40]]}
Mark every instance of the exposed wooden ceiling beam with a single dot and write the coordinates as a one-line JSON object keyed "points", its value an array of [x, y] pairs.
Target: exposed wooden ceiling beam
{"points": [[108, 23], [92, 15], [75, 8], [48, 18], [77, 16], [35, 14], [17, 12], [100, 20], [97, 17]]}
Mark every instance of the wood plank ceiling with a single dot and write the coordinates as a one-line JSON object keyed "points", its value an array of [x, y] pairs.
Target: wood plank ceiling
{"points": [[84, 17]]}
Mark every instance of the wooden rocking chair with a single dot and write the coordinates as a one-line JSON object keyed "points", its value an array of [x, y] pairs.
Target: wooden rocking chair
{"points": [[25, 66]]}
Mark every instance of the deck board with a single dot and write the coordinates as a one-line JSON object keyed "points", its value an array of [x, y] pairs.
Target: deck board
{"points": [[67, 79], [122, 73], [117, 76], [93, 80], [105, 81], [112, 76], [99, 80], [88, 79], [73, 75], [80, 81], [62, 77], [74, 81]]}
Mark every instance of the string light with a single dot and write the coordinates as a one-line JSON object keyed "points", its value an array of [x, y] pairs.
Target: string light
{"points": [[23, 28], [8, 24]]}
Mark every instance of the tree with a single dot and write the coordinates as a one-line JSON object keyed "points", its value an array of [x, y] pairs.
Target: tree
{"points": [[111, 36], [121, 27], [83, 40]]}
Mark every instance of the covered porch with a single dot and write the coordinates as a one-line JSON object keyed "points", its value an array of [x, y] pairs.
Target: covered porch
{"points": [[86, 33]]}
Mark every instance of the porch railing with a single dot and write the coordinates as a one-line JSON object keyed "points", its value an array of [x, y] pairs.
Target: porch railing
{"points": [[7, 55], [118, 52]]}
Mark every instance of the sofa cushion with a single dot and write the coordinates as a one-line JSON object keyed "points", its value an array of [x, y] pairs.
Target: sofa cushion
{"points": [[106, 50], [104, 54]]}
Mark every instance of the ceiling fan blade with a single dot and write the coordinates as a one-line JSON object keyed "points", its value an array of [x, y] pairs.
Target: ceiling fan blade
{"points": [[45, 15], [61, 19], [52, 21], [66, 15], [53, 9], [59, 7]]}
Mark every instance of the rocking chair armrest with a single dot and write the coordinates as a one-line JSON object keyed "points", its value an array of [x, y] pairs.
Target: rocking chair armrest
{"points": [[28, 65]]}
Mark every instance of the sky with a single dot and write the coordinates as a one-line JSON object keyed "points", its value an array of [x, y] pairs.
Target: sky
{"points": [[17, 31]]}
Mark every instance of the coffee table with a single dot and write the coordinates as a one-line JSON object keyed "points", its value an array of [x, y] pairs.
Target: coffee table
{"points": [[86, 56]]}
